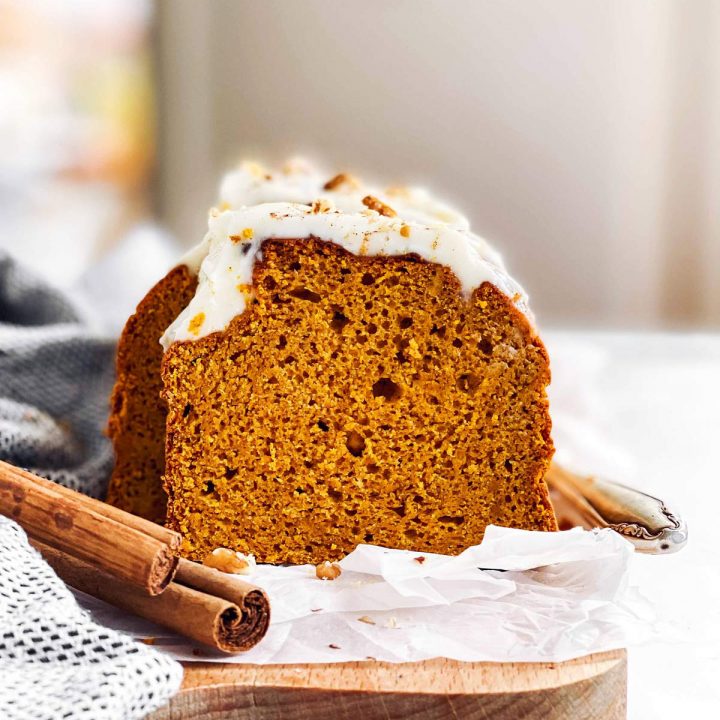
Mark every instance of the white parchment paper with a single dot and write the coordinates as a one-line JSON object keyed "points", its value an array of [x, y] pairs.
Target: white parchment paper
{"points": [[519, 596]]}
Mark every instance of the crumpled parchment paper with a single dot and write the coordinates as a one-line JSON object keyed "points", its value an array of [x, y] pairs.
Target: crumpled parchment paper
{"points": [[520, 596]]}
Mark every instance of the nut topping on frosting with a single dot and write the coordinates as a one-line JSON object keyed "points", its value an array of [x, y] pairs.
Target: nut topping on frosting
{"points": [[341, 179], [321, 206], [378, 206]]}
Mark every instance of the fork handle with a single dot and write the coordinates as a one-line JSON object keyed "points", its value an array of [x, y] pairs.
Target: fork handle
{"points": [[593, 502]]}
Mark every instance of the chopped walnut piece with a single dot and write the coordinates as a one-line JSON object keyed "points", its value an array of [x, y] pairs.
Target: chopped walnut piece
{"points": [[321, 206], [378, 206], [341, 179], [327, 570], [229, 561]]}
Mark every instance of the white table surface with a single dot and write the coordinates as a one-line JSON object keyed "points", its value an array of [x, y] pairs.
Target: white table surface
{"points": [[645, 409]]}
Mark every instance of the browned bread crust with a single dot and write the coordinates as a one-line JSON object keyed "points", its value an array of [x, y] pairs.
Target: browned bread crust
{"points": [[358, 399], [137, 420]]}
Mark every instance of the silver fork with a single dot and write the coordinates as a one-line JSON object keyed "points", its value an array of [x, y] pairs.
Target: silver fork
{"points": [[592, 502]]}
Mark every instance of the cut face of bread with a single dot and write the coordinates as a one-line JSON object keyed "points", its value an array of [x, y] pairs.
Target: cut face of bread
{"points": [[356, 399]]}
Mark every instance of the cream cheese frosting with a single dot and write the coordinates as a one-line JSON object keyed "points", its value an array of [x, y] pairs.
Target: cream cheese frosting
{"points": [[300, 182], [233, 244]]}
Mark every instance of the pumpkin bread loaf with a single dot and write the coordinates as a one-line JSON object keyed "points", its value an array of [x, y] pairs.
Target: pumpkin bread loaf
{"points": [[335, 377]]}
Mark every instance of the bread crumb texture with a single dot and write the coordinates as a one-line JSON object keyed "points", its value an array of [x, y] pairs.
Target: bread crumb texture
{"points": [[357, 400], [137, 410]]}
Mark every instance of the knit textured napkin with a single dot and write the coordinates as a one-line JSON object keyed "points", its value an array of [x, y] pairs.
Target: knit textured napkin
{"points": [[56, 372]]}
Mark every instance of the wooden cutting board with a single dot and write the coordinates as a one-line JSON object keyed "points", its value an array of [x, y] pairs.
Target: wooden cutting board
{"points": [[590, 688]]}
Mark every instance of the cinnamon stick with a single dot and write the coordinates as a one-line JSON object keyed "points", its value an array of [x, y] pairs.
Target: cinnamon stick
{"points": [[223, 612], [118, 543], [255, 617], [152, 529]]}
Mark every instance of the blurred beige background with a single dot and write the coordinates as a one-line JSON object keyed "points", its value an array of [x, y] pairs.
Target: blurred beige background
{"points": [[583, 137]]}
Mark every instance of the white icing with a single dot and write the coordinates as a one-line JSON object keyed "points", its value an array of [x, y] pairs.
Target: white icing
{"points": [[299, 182], [234, 241]]}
